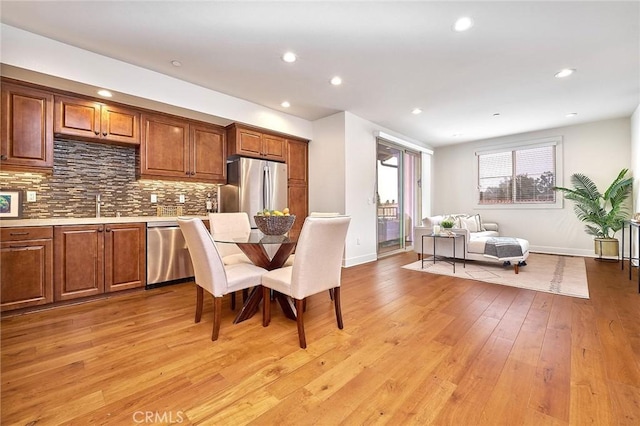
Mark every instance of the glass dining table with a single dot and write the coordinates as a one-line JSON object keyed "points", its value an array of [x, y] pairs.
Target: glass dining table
{"points": [[266, 251]]}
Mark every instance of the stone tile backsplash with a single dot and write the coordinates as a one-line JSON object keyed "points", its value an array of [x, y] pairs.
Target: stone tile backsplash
{"points": [[81, 170]]}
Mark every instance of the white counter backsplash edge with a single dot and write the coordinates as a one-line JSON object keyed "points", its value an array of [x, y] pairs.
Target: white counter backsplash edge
{"points": [[12, 223]]}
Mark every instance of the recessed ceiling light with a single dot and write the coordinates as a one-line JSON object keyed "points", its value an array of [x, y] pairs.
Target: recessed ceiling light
{"points": [[285, 104], [463, 24], [336, 81], [456, 135], [571, 114], [176, 63], [565, 72], [496, 114], [416, 111], [289, 57], [105, 93]]}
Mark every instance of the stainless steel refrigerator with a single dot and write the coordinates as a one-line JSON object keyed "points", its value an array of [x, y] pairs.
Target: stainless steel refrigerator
{"points": [[254, 185]]}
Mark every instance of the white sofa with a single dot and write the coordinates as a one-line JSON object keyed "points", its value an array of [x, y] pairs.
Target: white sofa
{"points": [[476, 234]]}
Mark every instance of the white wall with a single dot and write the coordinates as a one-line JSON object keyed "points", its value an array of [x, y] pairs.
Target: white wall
{"points": [[635, 169], [42, 55], [635, 158], [342, 177], [426, 180], [598, 149], [327, 165], [360, 189]]}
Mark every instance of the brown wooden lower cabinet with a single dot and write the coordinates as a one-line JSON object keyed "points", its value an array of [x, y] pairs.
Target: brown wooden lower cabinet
{"points": [[79, 261], [26, 272], [125, 254], [94, 259]]}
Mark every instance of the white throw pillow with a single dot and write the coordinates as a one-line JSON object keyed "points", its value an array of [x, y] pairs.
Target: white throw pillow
{"points": [[431, 221], [470, 223], [478, 222]]}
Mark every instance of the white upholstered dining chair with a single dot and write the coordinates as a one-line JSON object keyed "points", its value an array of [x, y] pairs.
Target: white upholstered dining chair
{"points": [[230, 225], [289, 261], [211, 274], [317, 267]]}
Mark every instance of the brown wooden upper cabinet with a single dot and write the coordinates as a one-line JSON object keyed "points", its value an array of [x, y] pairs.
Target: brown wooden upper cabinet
{"points": [[297, 162], [179, 149], [94, 121], [27, 129], [244, 141]]}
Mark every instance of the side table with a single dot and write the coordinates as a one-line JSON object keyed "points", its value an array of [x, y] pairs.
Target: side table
{"points": [[632, 225], [447, 236]]}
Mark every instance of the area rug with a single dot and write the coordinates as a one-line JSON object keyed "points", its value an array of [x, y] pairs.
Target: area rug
{"points": [[565, 275]]}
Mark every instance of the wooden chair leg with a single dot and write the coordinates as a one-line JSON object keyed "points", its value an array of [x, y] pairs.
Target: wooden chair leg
{"points": [[217, 315], [199, 302], [266, 307], [331, 293], [233, 301], [245, 294], [336, 302], [299, 310]]}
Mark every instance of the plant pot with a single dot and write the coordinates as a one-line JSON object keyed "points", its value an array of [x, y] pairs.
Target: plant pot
{"points": [[606, 247]]}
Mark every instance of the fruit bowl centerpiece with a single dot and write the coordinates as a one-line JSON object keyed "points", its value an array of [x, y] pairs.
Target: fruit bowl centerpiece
{"points": [[274, 222]]}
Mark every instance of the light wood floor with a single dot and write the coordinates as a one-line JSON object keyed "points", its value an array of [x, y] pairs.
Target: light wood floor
{"points": [[416, 349]]}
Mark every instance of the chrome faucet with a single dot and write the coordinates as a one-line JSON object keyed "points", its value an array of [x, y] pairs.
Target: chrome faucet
{"points": [[98, 203]]}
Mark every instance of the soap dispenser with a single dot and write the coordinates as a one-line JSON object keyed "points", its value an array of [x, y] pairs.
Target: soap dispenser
{"points": [[209, 204]]}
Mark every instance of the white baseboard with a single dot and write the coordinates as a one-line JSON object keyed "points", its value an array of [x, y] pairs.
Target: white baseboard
{"points": [[562, 251], [353, 261]]}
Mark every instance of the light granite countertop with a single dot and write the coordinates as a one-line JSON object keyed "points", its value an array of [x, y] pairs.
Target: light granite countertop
{"points": [[12, 223]]}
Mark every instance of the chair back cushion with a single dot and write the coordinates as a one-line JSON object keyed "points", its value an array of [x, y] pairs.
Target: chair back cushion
{"points": [[232, 225], [318, 263], [207, 263]]}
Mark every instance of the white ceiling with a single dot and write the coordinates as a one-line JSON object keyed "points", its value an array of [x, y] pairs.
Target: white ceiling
{"points": [[392, 57]]}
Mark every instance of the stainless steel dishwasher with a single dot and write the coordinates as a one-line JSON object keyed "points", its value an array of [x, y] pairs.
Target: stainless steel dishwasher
{"points": [[168, 260]]}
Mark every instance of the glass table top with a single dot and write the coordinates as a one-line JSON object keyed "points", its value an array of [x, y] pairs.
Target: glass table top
{"points": [[254, 237]]}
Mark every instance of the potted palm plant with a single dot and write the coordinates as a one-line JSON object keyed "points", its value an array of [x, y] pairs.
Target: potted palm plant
{"points": [[604, 214]]}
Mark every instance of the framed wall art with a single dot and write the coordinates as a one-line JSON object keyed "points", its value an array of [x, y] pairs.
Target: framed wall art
{"points": [[10, 203]]}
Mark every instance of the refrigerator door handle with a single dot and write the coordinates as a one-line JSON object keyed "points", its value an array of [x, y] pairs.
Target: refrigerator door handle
{"points": [[266, 188]]}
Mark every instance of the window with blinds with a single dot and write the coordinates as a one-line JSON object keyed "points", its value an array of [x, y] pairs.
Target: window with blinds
{"points": [[518, 175]]}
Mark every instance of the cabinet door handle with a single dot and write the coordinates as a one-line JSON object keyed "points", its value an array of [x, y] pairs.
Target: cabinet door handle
{"points": [[108, 229], [96, 132], [100, 229], [3, 157], [104, 133]]}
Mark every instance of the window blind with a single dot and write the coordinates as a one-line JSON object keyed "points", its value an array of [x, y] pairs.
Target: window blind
{"points": [[517, 176]]}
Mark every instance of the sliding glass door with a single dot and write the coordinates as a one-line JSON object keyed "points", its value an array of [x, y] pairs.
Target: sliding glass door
{"points": [[398, 196]]}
